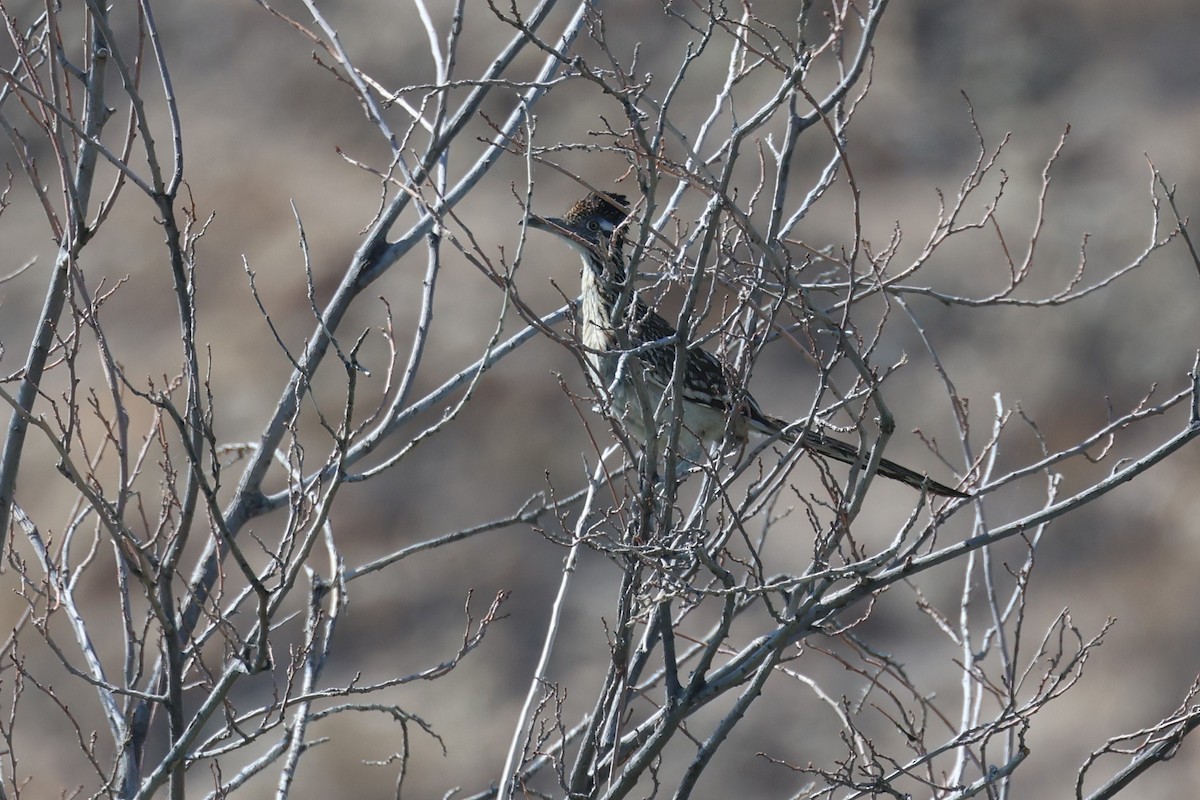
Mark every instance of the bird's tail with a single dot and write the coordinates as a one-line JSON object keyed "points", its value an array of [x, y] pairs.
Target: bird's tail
{"points": [[827, 446]]}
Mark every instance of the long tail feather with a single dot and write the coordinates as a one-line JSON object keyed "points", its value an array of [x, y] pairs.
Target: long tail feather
{"points": [[847, 453]]}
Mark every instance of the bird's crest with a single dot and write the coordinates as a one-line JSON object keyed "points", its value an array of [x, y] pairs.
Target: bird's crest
{"points": [[598, 205]]}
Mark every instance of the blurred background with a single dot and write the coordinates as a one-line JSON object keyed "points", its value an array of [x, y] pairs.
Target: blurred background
{"points": [[265, 126]]}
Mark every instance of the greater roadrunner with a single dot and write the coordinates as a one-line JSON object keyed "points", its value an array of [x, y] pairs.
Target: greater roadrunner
{"points": [[711, 414]]}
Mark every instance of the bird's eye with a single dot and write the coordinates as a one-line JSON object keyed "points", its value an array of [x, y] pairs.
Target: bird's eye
{"points": [[593, 225]]}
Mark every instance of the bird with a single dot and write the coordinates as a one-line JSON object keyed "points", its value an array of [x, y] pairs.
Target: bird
{"points": [[633, 359]]}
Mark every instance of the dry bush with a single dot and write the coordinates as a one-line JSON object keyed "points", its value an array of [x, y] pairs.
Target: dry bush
{"points": [[218, 537]]}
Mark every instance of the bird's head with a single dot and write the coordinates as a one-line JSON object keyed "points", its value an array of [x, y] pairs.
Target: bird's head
{"points": [[592, 226]]}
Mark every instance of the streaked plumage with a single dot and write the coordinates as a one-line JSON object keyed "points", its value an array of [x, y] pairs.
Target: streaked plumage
{"points": [[593, 228]]}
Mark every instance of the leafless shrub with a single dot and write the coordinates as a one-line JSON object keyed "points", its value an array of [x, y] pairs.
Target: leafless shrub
{"points": [[219, 561]]}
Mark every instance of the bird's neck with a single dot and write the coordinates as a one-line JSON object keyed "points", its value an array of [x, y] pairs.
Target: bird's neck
{"points": [[598, 298]]}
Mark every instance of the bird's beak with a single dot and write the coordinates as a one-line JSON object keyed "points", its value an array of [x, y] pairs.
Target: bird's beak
{"points": [[551, 224], [562, 229]]}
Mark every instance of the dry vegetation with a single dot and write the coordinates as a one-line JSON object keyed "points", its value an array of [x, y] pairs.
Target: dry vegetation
{"points": [[303, 490]]}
